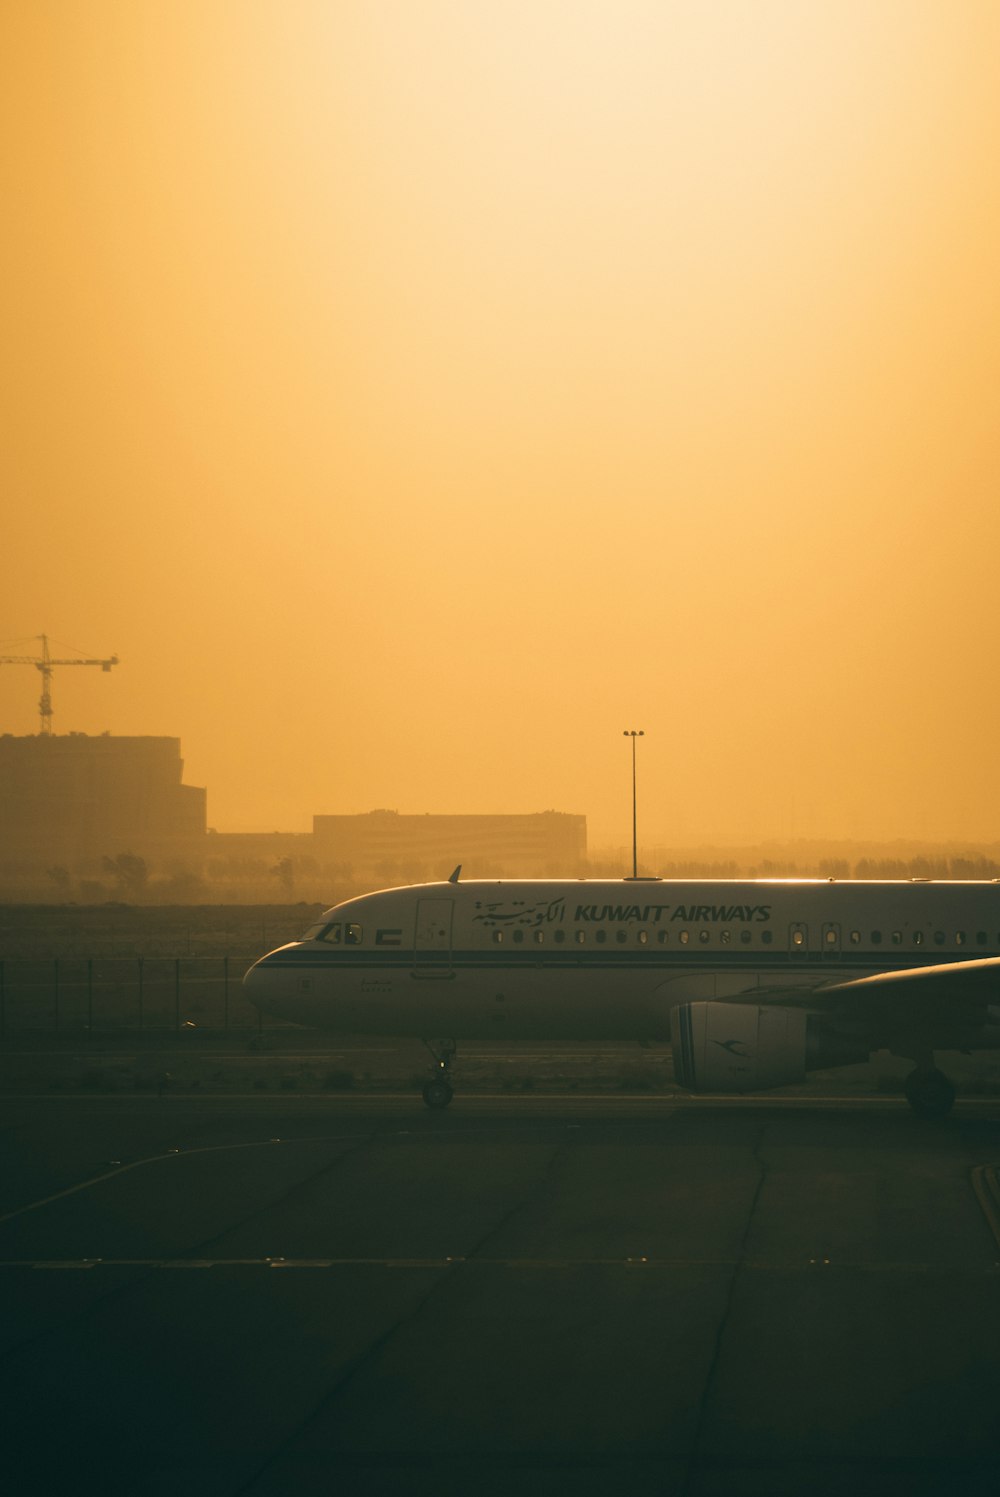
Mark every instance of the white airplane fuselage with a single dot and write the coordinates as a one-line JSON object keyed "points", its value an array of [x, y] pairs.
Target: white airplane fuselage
{"points": [[608, 959]]}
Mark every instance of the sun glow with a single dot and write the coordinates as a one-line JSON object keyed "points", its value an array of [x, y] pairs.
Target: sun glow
{"points": [[412, 392]]}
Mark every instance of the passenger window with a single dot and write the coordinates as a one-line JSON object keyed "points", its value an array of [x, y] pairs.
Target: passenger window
{"points": [[918, 938], [643, 937], [581, 937], [830, 936], [559, 937], [663, 936], [683, 938], [726, 937], [539, 937], [797, 938], [876, 938], [621, 936], [960, 938], [746, 937], [939, 938], [498, 936], [980, 938], [601, 937], [518, 937], [897, 938], [855, 938], [703, 937], [352, 935], [767, 937]]}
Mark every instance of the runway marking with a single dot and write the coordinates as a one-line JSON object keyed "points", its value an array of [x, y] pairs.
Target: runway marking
{"points": [[635, 1264], [986, 1184], [264, 1143], [66, 1263], [476, 1101]]}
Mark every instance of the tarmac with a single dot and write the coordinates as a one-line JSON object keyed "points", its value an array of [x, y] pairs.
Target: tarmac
{"points": [[277, 1294]]}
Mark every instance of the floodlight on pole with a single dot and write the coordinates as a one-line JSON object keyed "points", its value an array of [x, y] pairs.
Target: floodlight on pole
{"points": [[634, 733]]}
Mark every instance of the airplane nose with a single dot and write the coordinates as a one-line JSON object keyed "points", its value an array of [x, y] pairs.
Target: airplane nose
{"points": [[274, 983], [253, 982], [264, 986]]}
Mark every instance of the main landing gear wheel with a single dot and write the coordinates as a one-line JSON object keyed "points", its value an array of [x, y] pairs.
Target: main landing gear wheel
{"points": [[437, 1093], [929, 1092]]}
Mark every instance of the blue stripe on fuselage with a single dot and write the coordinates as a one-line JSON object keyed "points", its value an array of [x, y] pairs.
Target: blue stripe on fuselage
{"points": [[306, 958]]}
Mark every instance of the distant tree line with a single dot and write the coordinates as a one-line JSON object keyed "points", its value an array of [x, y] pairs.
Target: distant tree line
{"points": [[796, 864], [128, 878]]}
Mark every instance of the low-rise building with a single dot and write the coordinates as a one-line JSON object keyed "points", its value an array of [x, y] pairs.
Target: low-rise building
{"points": [[411, 848]]}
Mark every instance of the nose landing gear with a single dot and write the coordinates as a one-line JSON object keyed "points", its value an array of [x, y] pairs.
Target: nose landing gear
{"points": [[437, 1092]]}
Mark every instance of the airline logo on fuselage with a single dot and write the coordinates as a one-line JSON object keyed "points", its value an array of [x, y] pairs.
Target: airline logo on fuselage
{"points": [[691, 914], [520, 912], [553, 912]]}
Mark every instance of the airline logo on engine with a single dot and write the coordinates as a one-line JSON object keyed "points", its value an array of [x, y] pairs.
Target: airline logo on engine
{"points": [[734, 1047]]}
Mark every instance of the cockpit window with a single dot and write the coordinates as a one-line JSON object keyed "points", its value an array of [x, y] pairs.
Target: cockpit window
{"points": [[352, 934], [323, 930]]}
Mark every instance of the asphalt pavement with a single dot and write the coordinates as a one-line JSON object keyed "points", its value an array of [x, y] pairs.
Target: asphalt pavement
{"points": [[275, 1295]]}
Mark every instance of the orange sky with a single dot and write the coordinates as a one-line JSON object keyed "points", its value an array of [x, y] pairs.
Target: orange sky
{"points": [[417, 393]]}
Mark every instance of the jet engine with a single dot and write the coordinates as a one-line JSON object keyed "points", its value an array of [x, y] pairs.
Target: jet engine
{"points": [[745, 1047]]}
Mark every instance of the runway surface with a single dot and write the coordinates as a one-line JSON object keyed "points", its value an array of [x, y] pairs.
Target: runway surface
{"points": [[647, 1295]]}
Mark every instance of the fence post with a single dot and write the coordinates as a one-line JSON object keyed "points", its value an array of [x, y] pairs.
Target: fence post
{"points": [[90, 996], [55, 993], [177, 994], [140, 994], [225, 994]]}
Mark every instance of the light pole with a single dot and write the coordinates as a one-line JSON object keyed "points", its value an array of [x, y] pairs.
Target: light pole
{"points": [[634, 734]]}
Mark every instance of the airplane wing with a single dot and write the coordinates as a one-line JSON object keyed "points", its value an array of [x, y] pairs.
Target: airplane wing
{"points": [[914, 1013], [975, 983], [947, 998]]}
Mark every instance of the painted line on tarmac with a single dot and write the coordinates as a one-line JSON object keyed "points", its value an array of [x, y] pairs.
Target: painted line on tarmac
{"points": [[635, 1264], [525, 1100], [263, 1143], [397, 1100], [72, 1190], [986, 1184]]}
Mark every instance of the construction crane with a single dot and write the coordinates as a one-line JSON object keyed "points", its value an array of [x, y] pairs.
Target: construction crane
{"points": [[44, 663]]}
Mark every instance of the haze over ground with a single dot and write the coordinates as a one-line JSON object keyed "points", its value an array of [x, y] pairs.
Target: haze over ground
{"points": [[415, 396]]}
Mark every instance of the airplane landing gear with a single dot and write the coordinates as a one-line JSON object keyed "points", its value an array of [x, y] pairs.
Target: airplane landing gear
{"points": [[438, 1092], [929, 1092]]}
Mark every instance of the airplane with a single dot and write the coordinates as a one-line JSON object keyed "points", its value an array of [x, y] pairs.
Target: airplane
{"points": [[755, 982]]}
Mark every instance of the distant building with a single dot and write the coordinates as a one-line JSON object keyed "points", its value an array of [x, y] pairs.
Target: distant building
{"points": [[93, 817], [75, 799], [411, 848]]}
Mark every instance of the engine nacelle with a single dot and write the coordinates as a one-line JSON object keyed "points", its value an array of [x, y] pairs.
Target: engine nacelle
{"points": [[737, 1047], [745, 1047]]}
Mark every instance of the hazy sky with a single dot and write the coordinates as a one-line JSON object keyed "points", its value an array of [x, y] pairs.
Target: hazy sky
{"points": [[417, 393]]}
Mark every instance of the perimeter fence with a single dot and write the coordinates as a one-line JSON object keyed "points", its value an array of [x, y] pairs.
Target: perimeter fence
{"points": [[86, 995]]}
